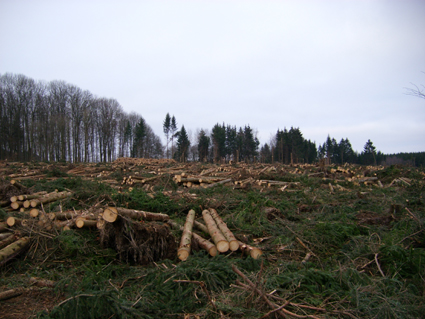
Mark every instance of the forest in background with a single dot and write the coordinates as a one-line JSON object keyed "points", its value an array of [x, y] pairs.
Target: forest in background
{"points": [[57, 121]]}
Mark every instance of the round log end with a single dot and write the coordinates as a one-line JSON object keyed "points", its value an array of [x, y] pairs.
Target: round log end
{"points": [[213, 251], [110, 214], [256, 253], [234, 245], [183, 254], [34, 212], [223, 246]]}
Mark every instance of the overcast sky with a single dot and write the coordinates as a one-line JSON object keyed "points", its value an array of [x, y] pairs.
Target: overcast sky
{"points": [[328, 67]]}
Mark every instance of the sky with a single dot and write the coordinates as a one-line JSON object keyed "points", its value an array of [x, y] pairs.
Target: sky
{"points": [[337, 68]]}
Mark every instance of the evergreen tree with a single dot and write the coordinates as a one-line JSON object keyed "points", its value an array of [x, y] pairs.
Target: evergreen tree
{"points": [[266, 154], [167, 129], [173, 129], [203, 146], [139, 136], [183, 145], [218, 137], [346, 151], [231, 142], [368, 156], [250, 144]]}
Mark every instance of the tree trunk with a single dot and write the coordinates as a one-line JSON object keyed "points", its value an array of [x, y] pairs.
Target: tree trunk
{"points": [[252, 251], [233, 243], [220, 241], [110, 214], [202, 242], [13, 249], [186, 239], [50, 198], [5, 241]]}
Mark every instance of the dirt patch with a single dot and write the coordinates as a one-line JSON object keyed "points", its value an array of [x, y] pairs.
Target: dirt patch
{"points": [[365, 217], [29, 304]]}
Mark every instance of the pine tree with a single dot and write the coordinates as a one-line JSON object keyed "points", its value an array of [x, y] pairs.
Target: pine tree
{"points": [[203, 146], [218, 137], [167, 128], [173, 129], [183, 145], [139, 136], [369, 154]]}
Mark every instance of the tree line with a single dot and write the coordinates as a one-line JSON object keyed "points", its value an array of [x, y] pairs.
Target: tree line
{"points": [[57, 121]]}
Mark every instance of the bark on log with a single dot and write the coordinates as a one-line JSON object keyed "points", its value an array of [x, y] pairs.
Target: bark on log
{"points": [[186, 239], [50, 198], [31, 196], [13, 221], [110, 214], [5, 241], [233, 243], [220, 241], [15, 205], [218, 183], [252, 251], [81, 222], [13, 249], [17, 184], [202, 242], [3, 226], [4, 295]]}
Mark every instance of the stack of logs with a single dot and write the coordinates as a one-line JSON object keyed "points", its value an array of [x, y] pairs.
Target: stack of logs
{"points": [[11, 243], [221, 235]]}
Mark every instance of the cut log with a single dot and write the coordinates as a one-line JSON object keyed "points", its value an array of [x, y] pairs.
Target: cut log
{"points": [[13, 249], [218, 238], [40, 282], [13, 221], [252, 251], [5, 241], [15, 205], [110, 214], [18, 185], [186, 239], [50, 198], [34, 212], [233, 243], [3, 226], [32, 196], [202, 242], [224, 181], [4, 295], [81, 222], [13, 199]]}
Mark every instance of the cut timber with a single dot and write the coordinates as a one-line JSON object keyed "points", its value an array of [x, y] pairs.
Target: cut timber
{"points": [[110, 214], [32, 196], [7, 240], [252, 251], [202, 242], [233, 243], [184, 248], [220, 241], [4, 295], [50, 198], [34, 212], [224, 181], [13, 249], [13, 221], [81, 222], [15, 205], [3, 226], [17, 184]]}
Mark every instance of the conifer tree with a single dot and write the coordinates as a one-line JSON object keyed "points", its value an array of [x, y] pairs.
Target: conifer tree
{"points": [[203, 146], [167, 129], [183, 145], [139, 136], [173, 129]]}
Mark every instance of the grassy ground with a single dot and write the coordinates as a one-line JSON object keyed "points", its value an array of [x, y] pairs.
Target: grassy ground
{"points": [[350, 251]]}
